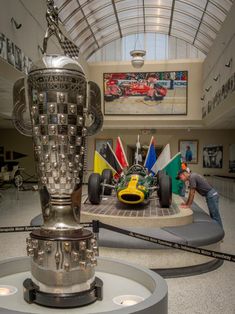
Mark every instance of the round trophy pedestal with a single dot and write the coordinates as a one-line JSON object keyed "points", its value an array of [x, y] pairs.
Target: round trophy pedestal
{"points": [[32, 294], [127, 288]]}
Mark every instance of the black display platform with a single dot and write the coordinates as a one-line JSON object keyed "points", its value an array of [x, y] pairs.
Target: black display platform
{"points": [[202, 232]]}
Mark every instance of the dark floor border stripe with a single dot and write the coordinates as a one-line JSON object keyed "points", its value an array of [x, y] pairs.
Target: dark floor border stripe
{"points": [[189, 270]]}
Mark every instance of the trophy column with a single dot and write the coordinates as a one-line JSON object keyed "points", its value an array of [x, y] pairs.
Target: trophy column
{"points": [[63, 254]]}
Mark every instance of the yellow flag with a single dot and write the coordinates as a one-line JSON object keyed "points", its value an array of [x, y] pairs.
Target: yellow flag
{"points": [[100, 164]]}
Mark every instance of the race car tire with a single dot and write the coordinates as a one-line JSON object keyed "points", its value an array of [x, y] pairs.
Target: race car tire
{"points": [[109, 97], [107, 177], [158, 97], [160, 174], [165, 191], [94, 188]]}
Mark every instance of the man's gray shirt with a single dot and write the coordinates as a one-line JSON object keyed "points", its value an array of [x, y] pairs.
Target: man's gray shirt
{"points": [[199, 183]]}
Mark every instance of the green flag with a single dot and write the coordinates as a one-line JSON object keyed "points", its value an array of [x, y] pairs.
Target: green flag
{"points": [[172, 168]]}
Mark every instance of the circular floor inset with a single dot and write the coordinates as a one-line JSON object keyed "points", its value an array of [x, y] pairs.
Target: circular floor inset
{"points": [[119, 278]]}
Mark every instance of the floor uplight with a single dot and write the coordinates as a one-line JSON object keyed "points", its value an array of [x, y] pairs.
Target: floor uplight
{"points": [[7, 290], [127, 300]]}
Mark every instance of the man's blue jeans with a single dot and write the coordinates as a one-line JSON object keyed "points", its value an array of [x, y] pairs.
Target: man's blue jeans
{"points": [[182, 189], [212, 199]]}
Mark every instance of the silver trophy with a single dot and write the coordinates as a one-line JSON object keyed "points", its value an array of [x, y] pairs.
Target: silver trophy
{"points": [[62, 112]]}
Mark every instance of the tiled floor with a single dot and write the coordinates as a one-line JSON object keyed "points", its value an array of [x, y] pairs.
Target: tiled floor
{"points": [[111, 206], [210, 293]]}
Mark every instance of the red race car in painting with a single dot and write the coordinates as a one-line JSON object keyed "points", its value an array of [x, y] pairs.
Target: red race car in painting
{"points": [[115, 89]]}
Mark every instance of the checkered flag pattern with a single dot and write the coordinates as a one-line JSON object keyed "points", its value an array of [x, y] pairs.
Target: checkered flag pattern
{"points": [[59, 134], [70, 49]]}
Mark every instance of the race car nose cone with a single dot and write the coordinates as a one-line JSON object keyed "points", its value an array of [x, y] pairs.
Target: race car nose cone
{"points": [[130, 196]]}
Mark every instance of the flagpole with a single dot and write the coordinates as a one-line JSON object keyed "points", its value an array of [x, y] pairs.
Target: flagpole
{"points": [[137, 149]]}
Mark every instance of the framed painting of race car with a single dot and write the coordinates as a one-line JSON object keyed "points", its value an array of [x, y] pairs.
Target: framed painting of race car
{"points": [[146, 93]]}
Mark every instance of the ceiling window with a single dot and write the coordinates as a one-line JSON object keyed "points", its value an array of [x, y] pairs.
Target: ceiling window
{"points": [[158, 47]]}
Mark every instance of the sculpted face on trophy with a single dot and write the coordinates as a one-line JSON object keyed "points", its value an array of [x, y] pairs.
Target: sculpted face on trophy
{"points": [[59, 108]]}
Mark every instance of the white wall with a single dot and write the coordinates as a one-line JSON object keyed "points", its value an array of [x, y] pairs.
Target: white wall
{"points": [[222, 50], [32, 15]]}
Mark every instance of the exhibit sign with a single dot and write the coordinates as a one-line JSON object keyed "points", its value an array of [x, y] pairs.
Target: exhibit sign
{"points": [[189, 151], [14, 55], [222, 93], [212, 156], [146, 93]]}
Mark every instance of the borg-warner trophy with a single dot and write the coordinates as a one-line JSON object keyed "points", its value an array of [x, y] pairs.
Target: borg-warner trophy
{"points": [[63, 253]]}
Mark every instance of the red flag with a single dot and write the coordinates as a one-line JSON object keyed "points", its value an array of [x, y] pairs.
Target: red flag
{"points": [[120, 153]]}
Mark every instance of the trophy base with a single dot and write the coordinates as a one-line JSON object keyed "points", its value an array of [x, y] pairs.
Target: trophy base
{"points": [[32, 294]]}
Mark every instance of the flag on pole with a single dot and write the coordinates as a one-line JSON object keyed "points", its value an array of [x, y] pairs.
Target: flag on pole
{"points": [[138, 142], [120, 153], [162, 160], [172, 168], [151, 155], [138, 156], [100, 164], [111, 158]]}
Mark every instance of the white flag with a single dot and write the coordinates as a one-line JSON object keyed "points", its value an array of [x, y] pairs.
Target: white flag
{"points": [[138, 156], [162, 160], [138, 146]]}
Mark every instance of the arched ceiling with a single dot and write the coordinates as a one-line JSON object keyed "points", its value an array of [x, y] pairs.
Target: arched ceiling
{"points": [[94, 23]]}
